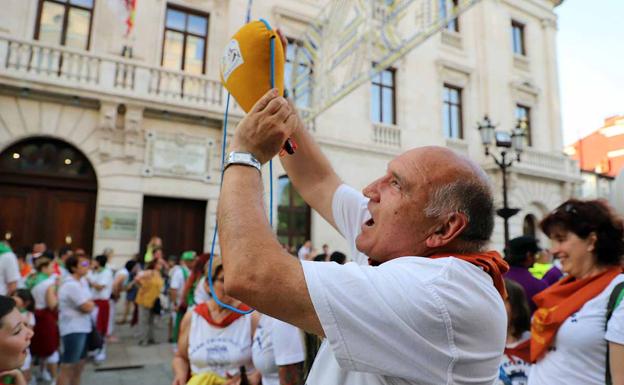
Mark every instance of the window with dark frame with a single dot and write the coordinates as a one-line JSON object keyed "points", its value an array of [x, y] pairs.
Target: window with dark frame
{"points": [[452, 112], [517, 38], [65, 22], [383, 97], [300, 95], [524, 113], [446, 7], [293, 215], [529, 225], [185, 40]]}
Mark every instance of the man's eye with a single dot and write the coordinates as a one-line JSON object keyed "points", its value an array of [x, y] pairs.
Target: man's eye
{"points": [[395, 183]]}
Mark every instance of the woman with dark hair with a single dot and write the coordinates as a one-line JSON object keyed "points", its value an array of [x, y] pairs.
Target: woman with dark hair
{"points": [[515, 365], [14, 341], [569, 344], [214, 341], [75, 307]]}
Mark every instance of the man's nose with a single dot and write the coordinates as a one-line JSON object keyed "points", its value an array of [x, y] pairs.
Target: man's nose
{"points": [[371, 191]]}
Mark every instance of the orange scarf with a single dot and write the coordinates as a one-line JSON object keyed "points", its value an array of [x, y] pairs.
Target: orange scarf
{"points": [[490, 261], [558, 302], [204, 312]]}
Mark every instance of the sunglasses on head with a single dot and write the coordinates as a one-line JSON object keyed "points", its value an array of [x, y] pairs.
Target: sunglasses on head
{"points": [[84, 263], [568, 208]]}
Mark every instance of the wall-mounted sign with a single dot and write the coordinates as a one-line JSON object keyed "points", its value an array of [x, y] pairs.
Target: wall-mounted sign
{"points": [[117, 224], [177, 155]]}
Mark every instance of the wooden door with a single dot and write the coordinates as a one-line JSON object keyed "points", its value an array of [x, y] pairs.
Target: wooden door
{"points": [[48, 190], [57, 217], [180, 223], [18, 215], [70, 219]]}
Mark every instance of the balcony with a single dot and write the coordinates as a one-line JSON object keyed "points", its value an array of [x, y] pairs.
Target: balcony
{"points": [[386, 135], [60, 69]]}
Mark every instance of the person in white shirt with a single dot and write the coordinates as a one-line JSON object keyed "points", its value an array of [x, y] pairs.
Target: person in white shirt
{"points": [[101, 282], [277, 352], [432, 312], [305, 251], [9, 270], [75, 307], [179, 274]]}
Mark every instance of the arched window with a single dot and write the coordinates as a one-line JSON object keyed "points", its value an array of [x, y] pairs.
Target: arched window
{"points": [[293, 215], [529, 225]]}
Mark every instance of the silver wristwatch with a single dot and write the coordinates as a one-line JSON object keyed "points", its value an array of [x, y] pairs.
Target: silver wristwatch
{"points": [[244, 158]]}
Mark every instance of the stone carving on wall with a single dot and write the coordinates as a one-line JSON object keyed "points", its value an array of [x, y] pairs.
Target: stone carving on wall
{"points": [[107, 127], [178, 155], [120, 131]]}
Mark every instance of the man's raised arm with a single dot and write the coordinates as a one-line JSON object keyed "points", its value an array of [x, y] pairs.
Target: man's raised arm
{"points": [[310, 171]]}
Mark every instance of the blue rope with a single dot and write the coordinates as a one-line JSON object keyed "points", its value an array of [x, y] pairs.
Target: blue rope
{"points": [[223, 147]]}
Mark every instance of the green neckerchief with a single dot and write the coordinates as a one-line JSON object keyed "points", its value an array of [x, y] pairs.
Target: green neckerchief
{"points": [[185, 272], [36, 279], [4, 248], [190, 297]]}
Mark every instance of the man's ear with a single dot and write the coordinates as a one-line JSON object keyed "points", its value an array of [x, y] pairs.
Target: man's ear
{"points": [[448, 230]]}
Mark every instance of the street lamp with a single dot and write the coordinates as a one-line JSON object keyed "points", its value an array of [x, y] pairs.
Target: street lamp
{"points": [[504, 141]]}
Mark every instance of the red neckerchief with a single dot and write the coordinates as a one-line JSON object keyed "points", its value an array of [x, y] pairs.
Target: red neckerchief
{"points": [[490, 262], [204, 312]]}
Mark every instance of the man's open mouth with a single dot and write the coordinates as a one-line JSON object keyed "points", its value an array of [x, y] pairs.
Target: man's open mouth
{"points": [[370, 222]]}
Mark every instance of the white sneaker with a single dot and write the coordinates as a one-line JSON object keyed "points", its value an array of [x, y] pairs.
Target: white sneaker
{"points": [[45, 376]]}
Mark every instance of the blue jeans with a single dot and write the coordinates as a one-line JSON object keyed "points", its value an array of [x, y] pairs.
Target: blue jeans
{"points": [[74, 347]]}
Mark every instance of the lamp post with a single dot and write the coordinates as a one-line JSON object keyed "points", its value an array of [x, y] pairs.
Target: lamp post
{"points": [[504, 141]]}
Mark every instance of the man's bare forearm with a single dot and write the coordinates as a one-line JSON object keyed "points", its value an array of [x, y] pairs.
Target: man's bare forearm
{"points": [[244, 231]]}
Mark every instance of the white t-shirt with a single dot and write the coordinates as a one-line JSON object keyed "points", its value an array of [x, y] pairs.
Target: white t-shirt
{"points": [[412, 320], [73, 294], [578, 353], [219, 350], [123, 272], [514, 370], [103, 277], [9, 271], [178, 281], [39, 292], [275, 344], [303, 252]]}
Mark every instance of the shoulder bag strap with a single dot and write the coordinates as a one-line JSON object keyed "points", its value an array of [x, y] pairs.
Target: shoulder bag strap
{"points": [[614, 300]]}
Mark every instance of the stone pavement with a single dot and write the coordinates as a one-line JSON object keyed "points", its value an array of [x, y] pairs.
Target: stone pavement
{"points": [[128, 363]]}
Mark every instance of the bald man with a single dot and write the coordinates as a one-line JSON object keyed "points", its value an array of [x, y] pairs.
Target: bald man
{"points": [[422, 304]]}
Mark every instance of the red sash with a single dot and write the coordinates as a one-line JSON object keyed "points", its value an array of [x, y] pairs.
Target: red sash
{"points": [[101, 323], [45, 340]]}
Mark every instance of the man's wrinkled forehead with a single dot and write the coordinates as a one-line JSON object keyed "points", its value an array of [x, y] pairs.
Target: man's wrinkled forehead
{"points": [[409, 170]]}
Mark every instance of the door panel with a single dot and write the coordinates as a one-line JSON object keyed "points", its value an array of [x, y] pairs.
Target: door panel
{"points": [[72, 215], [179, 222], [17, 215]]}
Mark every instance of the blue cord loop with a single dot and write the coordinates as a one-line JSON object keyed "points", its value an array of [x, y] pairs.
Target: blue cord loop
{"points": [[223, 147]]}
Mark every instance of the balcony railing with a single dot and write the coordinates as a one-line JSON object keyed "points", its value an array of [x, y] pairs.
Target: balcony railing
{"points": [[66, 67], [387, 135], [554, 163]]}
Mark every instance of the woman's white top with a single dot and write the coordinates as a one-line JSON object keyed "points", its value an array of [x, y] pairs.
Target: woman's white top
{"points": [[39, 292], [219, 350], [578, 353], [275, 344]]}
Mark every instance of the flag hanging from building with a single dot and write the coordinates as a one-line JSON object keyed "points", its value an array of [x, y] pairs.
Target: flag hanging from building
{"points": [[125, 10]]}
